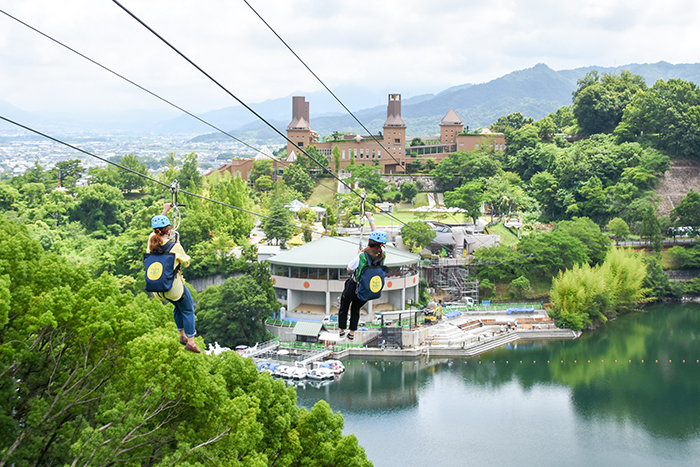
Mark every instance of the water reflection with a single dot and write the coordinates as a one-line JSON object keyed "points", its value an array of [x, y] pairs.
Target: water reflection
{"points": [[662, 398]]}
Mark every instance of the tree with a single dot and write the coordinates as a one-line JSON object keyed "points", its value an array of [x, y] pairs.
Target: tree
{"points": [[619, 228], [127, 181], [546, 129], [460, 167], [584, 293], [69, 172], [234, 312], [514, 121], [519, 285], [667, 115], [599, 101], [368, 177], [596, 243], [235, 223], [651, 230], [417, 142], [260, 169], [687, 213], [467, 197], [409, 191], [417, 235], [298, 178], [278, 227], [99, 208], [336, 159], [94, 375]]}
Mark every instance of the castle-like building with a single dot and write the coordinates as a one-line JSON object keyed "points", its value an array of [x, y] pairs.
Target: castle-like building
{"points": [[387, 151]]}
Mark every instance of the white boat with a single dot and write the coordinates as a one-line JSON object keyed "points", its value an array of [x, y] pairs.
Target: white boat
{"points": [[320, 373], [336, 365], [300, 373]]}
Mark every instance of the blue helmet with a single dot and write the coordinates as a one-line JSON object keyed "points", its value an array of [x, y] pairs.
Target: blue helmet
{"points": [[378, 236], [158, 222]]}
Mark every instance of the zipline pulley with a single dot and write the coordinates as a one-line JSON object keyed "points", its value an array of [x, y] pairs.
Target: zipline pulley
{"points": [[177, 216], [363, 196]]}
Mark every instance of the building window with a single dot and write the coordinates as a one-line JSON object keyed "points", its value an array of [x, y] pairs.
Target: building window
{"points": [[343, 153], [379, 153], [374, 153], [300, 144], [397, 141]]}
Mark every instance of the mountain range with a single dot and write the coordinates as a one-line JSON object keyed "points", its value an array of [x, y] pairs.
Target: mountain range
{"points": [[535, 92]]}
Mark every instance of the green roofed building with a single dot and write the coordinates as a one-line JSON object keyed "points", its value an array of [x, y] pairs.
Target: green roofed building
{"points": [[315, 273]]}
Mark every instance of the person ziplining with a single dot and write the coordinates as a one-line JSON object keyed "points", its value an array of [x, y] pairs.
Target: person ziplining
{"points": [[163, 259], [366, 281]]}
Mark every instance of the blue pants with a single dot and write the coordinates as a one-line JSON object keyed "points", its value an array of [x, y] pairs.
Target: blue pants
{"points": [[184, 313]]}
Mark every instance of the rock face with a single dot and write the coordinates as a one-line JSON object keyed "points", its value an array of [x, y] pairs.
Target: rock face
{"points": [[683, 176]]}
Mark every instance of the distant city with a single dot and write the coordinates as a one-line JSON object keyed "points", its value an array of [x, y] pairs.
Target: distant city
{"points": [[19, 152]]}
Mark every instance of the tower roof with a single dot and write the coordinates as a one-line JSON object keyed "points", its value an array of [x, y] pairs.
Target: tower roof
{"points": [[451, 118]]}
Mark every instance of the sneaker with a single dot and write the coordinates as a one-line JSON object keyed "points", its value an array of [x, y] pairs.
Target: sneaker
{"points": [[192, 348]]}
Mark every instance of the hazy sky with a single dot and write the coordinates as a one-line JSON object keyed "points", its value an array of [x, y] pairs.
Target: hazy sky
{"points": [[405, 46]]}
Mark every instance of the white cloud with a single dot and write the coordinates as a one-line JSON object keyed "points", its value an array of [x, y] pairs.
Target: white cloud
{"points": [[409, 46]]}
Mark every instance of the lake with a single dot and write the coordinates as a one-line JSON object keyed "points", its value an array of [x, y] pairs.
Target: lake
{"points": [[522, 410]]}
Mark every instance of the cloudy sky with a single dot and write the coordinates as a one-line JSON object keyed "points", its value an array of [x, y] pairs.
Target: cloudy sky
{"points": [[405, 46]]}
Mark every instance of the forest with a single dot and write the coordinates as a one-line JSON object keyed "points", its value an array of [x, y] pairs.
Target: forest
{"points": [[91, 368]]}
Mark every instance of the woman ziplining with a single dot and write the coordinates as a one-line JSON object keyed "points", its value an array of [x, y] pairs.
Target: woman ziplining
{"points": [[163, 259], [366, 281]]}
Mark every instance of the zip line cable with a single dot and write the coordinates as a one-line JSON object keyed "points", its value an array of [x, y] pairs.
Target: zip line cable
{"points": [[176, 50], [249, 108], [324, 84], [170, 187], [134, 83], [284, 163], [163, 100]]}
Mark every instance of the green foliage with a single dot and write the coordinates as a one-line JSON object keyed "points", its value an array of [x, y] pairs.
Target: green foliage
{"points": [[687, 258], [409, 191], [99, 208], [658, 283], [93, 375], [618, 228], [461, 167], [467, 197], [274, 230], [687, 213], [584, 293], [298, 178], [368, 177], [518, 286], [417, 235], [600, 101], [234, 312], [514, 121], [595, 242], [667, 115], [234, 223]]}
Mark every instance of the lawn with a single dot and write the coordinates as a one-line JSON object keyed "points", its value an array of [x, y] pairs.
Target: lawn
{"points": [[507, 237], [324, 192]]}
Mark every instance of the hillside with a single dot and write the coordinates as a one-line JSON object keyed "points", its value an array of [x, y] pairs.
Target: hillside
{"points": [[683, 176], [535, 92]]}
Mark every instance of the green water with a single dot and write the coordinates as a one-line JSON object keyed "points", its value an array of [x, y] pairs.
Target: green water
{"points": [[461, 412]]}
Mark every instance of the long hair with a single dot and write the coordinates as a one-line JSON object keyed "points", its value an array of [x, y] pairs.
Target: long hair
{"points": [[154, 241], [374, 249]]}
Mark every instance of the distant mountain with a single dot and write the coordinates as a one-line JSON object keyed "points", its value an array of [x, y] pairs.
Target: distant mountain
{"points": [[535, 92]]}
